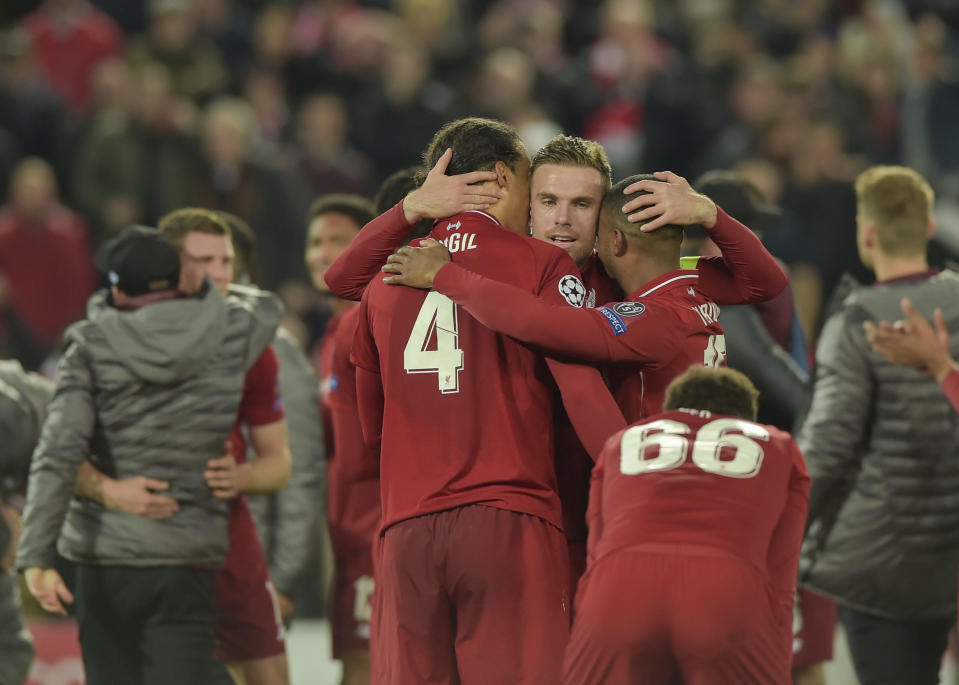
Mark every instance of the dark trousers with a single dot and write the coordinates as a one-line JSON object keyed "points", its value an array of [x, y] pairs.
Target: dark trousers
{"points": [[890, 652], [145, 626]]}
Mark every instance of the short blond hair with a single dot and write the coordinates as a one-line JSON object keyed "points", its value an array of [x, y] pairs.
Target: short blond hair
{"points": [[176, 225], [898, 202], [573, 151]]}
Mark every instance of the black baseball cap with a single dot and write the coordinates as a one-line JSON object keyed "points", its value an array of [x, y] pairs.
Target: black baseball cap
{"points": [[140, 261], [740, 198]]}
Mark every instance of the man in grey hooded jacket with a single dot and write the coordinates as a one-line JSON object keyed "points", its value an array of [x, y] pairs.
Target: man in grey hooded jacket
{"points": [[149, 384]]}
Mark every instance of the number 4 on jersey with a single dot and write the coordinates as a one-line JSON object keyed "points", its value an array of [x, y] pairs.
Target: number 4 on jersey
{"points": [[437, 318]]}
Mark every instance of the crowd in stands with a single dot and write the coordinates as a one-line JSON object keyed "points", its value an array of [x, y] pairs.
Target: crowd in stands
{"points": [[115, 112]]}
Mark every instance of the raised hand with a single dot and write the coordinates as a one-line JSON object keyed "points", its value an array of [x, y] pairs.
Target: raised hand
{"points": [[913, 341], [668, 200], [441, 196]]}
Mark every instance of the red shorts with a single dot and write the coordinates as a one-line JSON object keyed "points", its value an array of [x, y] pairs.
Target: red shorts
{"points": [[649, 617], [351, 607], [248, 624], [814, 628], [472, 594]]}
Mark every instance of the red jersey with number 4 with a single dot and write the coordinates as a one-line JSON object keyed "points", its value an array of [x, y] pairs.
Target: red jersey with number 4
{"points": [[691, 478], [468, 413]]}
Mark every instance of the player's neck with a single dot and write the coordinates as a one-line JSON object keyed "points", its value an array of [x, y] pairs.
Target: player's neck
{"points": [[633, 274], [887, 267]]}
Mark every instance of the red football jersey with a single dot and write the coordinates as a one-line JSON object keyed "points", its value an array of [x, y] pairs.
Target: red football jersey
{"points": [[692, 478], [600, 286], [261, 403], [353, 500], [324, 364], [653, 336], [468, 413]]}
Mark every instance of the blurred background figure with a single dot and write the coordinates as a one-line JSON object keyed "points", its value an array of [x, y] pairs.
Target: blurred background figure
{"points": [[45, 264]]}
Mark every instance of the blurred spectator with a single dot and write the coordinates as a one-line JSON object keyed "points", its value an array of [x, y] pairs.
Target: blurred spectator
{"points": [[45, 263], [505, 89], [405, 99], [29, 110], [229, 25], [258, 192], [264, 91], [324, 158], [173, 40], [70, 37], [135, 159]]}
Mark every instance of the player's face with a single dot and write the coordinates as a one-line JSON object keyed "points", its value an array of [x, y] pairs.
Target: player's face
{"points": [[204, 255], [329, 235], [564, 208]]}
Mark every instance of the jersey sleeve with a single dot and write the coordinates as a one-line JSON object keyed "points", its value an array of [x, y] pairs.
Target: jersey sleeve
{"points": [[349, 275], [363, 352], [746, 273], [950, 386], [592, 335], [262, 403]]}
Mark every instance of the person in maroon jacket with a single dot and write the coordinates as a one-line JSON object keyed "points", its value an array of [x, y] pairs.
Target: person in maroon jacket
{"points": [[471, 534], [696, 519]]}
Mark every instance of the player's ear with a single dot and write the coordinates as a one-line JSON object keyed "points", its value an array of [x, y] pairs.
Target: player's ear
{"points": [[620, 242], [503, 175]]}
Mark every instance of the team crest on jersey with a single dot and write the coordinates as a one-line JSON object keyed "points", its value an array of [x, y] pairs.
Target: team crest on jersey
{"points": [[629, 308], [572, 290]]}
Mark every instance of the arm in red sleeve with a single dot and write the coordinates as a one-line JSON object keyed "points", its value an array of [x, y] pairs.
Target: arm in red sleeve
{"points": [[746, 273], [369, 404], [950, 386], [556, 328], [594, 510], [783, 557], [358, 462], [590, 407], [349, 275]]}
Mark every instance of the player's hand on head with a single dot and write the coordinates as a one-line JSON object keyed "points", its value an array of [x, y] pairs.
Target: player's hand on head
{"points": [[225, 477], [416, 266], [46, 585], [669, 199], [441, 196], [137, 496]]}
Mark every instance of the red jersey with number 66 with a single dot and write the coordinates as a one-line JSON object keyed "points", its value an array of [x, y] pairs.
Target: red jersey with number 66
{"points": [[689, 478], [468, 413]]}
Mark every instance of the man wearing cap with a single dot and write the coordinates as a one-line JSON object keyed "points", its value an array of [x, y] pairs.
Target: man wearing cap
{"points": [[149, 384]]}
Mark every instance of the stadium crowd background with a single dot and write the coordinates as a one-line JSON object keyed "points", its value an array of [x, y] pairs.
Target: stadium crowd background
{"points": [[114, 112], [119, 111]]}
